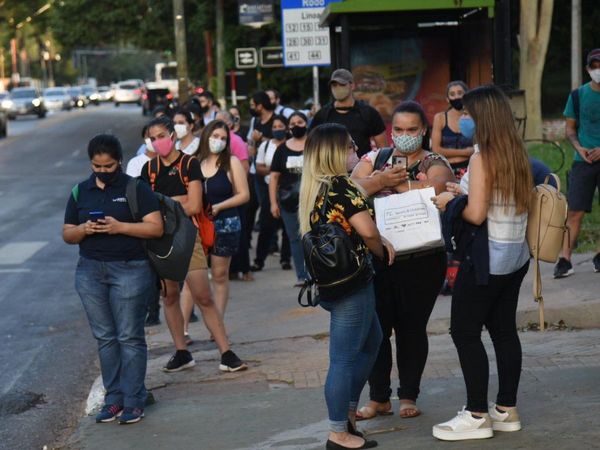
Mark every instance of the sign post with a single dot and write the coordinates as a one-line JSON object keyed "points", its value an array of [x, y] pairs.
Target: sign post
{"points": [[246, 58]]}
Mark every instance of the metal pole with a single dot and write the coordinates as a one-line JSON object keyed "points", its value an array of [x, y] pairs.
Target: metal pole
{"points": [[316, 100], [575, 44], [233, 88], [220, 52], [180, 50], [2, 74]]}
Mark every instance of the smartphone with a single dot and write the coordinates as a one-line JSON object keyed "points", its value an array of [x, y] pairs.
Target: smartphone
{"points": [[400, 160], [96, 215]]}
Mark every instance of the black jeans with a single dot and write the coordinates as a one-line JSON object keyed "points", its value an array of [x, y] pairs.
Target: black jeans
{"points": [[494, 306], [405, 294], [269, 226]]}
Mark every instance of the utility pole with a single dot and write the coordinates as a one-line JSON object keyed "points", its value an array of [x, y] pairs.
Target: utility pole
{"points": [[180, 50], [220, 52], [575, 44]]}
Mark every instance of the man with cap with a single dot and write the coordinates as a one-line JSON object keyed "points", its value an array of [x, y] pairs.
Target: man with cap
{"points": [[583, 131], [362, 120]]}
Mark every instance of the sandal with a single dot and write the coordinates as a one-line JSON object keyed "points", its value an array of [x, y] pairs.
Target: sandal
{"points": [[408, 406], [368, 412], [247, 277]]}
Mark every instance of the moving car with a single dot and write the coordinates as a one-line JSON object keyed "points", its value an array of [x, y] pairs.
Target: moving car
{"points": [[128, 92], [79, 98], [57, 98], [105, 93], [23, 101], [92, 94], [3, 116], [155, 96]]}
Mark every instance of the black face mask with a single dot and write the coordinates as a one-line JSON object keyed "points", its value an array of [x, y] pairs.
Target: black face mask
{"points": [[204, 109], [108, 178], [457, 104], [254, 112], [298, 132]]}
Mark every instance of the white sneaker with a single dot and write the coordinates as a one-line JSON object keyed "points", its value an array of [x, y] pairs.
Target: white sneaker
{"points": [[506, 421], [464, 426]]}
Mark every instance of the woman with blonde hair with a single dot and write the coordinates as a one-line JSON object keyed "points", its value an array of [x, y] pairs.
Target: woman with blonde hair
{"points": [[327, 195], [489, 279]]}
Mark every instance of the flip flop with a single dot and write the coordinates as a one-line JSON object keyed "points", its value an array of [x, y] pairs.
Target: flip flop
{"points": [[368, 412], [405, 406]]}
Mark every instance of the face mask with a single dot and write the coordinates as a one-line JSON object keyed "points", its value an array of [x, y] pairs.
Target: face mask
{"points": [[352, 161], [149, 145], [407, 144], [204, 109], [163, 146], [254, 112], [340, 92], [466, 125], [298, 132], [595, 75], [181, 130], [456, 103], [279, 135], [108, 177], [216, 145]]}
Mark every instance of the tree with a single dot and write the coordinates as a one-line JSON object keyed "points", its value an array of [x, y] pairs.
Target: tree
{"points": [[534, 35]]}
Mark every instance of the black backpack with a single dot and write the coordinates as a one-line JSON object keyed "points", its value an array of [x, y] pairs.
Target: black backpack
{"points": [[330, 256], [171, 253]]}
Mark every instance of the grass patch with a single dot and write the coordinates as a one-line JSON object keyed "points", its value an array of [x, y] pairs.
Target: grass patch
{"points": [[589, 237]]}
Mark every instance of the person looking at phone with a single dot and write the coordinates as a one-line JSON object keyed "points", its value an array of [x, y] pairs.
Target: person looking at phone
{"points": [[406, 291], [166, 175], [113, 277]]}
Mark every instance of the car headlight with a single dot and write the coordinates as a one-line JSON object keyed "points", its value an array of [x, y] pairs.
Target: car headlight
{"points": [[7, 104], [36, 102], [94, 97]]}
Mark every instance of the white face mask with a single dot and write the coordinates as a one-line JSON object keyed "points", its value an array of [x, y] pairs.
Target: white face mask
{"points": [[149, 146], [595, 75], [181, 130], [216, 145]]}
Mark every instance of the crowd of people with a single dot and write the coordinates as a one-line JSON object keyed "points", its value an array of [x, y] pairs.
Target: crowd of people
{"points": [[291, 170]]}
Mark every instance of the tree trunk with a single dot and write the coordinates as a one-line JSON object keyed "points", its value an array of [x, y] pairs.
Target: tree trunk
{"points": [[536, 20]]}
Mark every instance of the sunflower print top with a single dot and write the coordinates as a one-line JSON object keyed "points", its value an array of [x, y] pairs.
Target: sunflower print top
{"points": [[344, 200]]}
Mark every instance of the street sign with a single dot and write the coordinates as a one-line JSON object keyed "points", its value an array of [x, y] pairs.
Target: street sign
{"points": [[246, 58], [255, 13], [271, 57], [305, 42]]}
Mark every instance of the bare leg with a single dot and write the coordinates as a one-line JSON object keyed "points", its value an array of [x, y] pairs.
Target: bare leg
{"points": [[574, 219], [199, 288], [187, 305], [220, 278], [173, 314]]}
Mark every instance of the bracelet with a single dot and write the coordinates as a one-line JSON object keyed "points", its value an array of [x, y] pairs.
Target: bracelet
{"points": [[408, 184]]}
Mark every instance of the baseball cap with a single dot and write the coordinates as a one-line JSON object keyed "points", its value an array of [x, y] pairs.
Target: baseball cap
{"points": [[342, 76], [594, 55]]}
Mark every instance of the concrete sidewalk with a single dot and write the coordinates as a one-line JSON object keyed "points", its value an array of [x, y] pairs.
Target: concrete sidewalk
{"points": [[278, 403]]}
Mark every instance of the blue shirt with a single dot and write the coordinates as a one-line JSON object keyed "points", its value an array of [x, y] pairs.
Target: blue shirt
{"points": [[112, 202], [588, 132]]}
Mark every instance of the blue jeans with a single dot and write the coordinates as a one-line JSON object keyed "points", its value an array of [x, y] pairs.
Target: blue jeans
{"points": [[355, 336], [114, 295], [292, 227]]}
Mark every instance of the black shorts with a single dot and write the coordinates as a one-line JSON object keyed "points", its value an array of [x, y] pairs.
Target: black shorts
{"points": [[584, 181]]}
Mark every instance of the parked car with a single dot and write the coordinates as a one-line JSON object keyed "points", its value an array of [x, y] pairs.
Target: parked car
{"points": [[128, 92], [105, 93], [79, 98], [57, 98], [153, 97], [3, 115], [92, 94], [23, 101]]}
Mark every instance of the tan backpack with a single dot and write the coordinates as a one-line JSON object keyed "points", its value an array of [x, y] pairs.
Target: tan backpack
{"points": [[546, 227]]}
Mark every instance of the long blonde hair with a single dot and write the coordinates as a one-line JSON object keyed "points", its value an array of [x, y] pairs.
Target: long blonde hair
{"points": [[502, 150], [325, 155]]}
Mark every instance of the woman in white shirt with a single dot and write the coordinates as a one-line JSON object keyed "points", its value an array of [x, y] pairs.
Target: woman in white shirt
{"points": [[186, 141]]}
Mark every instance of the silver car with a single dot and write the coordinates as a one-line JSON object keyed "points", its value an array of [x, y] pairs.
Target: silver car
{"points": [[127, 92], [23, 101], [57, 98]]}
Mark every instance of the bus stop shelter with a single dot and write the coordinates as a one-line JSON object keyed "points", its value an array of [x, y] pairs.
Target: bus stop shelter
{"points": [[409, 50]]}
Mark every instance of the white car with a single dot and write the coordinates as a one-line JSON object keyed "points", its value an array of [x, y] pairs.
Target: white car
{"points": [[57, 98], [105, 93], [127, 92]]}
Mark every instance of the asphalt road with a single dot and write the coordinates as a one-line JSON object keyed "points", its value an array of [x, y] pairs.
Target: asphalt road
{"points": [[47, 354]]}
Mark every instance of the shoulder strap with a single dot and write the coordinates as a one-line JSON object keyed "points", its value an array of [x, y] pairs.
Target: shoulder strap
{"points": [[184, 174], [575, 99], [382, 156], [75, 192], [537, 276], [132, 198], [153, 172], [326, 111]]}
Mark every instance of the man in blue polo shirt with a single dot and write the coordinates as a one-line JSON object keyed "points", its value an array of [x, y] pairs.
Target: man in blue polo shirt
{"points": [[583, 131]]}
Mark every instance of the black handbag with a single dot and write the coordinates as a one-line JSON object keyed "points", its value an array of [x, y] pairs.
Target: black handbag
{"points": [[331, 257], [289, 196]]}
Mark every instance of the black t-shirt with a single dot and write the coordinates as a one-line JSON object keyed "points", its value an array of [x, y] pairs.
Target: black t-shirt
{"points": [[112, 201], [168, 181], [362, 122], [265, 128], [289, 164]]}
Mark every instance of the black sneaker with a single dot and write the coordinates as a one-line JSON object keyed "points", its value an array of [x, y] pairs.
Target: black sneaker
{"points": [[231, 363], [596, 262], [193, 317], [563, 268], [181, 360], [285, 265]]}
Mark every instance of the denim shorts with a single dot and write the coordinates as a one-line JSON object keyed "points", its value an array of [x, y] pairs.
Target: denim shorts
{"points": [[228, 232]]}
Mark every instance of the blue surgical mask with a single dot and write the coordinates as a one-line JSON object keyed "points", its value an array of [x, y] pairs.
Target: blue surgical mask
{"points": [[466, 125]]}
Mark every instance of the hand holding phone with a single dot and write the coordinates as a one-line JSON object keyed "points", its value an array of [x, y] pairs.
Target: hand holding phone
{"points": [[96, 215], [400, 161]]}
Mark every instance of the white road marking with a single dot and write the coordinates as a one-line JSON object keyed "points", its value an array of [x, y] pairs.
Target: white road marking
{"points": [[17, 253], [59, 164], [76, 153], [14, 270]]}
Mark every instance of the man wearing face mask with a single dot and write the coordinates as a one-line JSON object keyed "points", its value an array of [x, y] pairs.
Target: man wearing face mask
{"points": [[362, 121], [583, 131], [208, 106]]}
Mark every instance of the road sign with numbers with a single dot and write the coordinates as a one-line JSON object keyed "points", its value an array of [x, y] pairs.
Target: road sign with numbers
{"points": [[305, 43], [246, 58]]}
